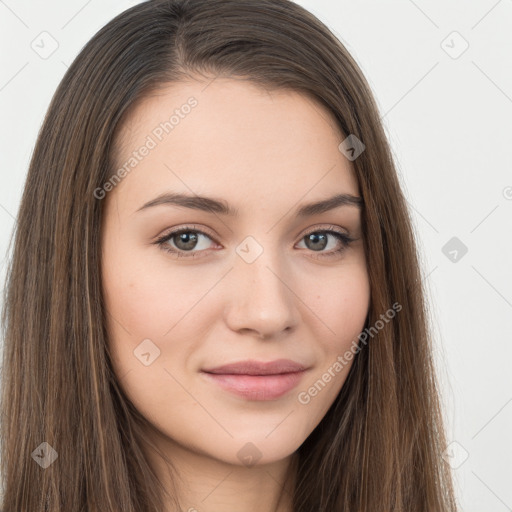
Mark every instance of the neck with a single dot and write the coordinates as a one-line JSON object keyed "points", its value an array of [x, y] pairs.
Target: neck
{"points": [[201, 483]]}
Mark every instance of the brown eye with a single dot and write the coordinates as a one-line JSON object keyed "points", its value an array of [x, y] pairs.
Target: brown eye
{"points": [[318, 241], [189, 242], [185, 240]]}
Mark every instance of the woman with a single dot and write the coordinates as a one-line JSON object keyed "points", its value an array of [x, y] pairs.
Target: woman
{"points": [[214, 300]]}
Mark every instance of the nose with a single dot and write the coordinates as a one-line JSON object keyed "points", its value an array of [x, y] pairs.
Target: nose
{"points": [[262, 301]]}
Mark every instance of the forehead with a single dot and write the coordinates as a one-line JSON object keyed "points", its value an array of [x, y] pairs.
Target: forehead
{"points": [[230, 138]]}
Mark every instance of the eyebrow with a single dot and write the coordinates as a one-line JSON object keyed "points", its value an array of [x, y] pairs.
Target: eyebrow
{"points": [[213, 205]]}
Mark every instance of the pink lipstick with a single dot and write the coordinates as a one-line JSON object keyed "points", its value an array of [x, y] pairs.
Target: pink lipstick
{"points": [[255, 380]]}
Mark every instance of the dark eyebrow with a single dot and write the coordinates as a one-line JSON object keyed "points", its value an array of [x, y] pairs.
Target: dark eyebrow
{"points": [[209, 204]]}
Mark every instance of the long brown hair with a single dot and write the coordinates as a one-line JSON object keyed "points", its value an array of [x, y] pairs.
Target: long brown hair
{"points": [[378, 449]]}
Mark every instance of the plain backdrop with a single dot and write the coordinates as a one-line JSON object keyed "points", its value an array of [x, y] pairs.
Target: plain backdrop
{"points": [[442, 76]]}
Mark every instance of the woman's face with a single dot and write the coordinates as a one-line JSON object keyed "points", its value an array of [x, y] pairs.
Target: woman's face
{"points": [[262, 283]]}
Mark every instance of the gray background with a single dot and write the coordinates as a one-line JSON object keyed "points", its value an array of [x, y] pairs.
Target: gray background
{"points": [[447, 110]]}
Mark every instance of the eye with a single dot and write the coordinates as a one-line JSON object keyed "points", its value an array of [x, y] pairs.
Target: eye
{"points": [[190, 242], [183, 241], [318, 240]]}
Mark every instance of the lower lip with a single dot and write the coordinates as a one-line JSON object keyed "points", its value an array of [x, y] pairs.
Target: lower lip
{"points": [[257, 387]]}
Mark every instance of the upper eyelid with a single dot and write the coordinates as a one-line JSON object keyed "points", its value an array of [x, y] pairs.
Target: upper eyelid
{"points": [[201, 230], [163, 239]]}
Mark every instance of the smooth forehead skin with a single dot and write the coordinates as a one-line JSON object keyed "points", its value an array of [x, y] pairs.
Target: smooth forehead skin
{"points": [[264, 154], [261, 149]]}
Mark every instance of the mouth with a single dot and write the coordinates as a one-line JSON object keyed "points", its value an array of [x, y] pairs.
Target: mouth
{"points": [[255, 380]]}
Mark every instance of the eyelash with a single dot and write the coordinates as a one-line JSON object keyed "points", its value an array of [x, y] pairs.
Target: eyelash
{"points": [[162, 242]]}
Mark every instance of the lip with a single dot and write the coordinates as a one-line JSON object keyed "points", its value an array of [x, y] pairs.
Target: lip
{"points": [[254, 380], [251, 367]]}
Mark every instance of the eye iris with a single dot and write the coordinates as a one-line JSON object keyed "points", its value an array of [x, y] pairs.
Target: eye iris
{"points": [[315, 237], [188, 238]]}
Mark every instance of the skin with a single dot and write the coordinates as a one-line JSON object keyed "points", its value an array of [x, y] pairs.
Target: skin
{"points": [[265, 153]]}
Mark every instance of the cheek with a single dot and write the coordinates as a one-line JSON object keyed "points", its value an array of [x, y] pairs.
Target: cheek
{"points": [[342, 310], [148, 299], [344, 304], [163, 303]]}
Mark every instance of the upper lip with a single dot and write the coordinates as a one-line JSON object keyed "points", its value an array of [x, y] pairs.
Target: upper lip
{"points": [[279, 366]]}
